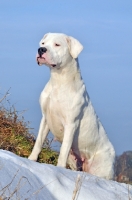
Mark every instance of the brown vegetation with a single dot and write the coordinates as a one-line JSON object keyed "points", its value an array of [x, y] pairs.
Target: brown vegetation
{"points": [[15, 135]]}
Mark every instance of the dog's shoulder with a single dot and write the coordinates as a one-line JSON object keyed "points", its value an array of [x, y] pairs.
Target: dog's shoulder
{"points": [[45, 94]]}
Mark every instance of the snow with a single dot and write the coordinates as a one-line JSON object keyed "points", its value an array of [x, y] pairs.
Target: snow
{"points": [[23, 179]]}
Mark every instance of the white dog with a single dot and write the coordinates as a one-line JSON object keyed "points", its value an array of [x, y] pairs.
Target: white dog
{"points": [[68, 112]]}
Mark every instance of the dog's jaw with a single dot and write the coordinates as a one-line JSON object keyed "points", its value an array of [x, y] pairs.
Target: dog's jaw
{"points": [[42, 60]]}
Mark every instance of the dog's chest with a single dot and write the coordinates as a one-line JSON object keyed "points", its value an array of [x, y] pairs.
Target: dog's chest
{"points": [[55, 114]]}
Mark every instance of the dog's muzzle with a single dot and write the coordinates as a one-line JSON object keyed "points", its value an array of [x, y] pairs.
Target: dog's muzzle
{"points": [[41, 51]]}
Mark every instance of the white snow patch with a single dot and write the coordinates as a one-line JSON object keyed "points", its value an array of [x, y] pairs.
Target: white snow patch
{"points": [[22, 179]]}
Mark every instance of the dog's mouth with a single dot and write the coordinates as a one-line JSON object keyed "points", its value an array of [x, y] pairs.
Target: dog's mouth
{"points": [[42, 60], [53, 65]]}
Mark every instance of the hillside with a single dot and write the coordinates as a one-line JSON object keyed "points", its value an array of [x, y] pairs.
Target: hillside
{"points": [[123, 167], [23, 179]]}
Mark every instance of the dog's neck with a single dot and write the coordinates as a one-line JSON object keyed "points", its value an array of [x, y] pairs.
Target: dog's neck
{"points": [[67, 74]]}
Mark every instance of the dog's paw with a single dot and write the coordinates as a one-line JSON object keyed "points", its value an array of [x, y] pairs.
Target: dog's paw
{"points": [[32, 158]]}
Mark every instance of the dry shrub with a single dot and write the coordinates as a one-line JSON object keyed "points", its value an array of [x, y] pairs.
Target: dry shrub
{"points": [[15, 134]]}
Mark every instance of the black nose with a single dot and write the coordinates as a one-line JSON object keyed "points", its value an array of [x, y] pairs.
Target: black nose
{"points": [[41, 51]]}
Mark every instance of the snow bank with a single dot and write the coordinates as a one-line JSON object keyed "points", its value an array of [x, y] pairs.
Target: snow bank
{"points": [[23, 179]]}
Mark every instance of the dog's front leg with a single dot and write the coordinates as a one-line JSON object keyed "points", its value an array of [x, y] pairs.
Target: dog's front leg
{"points": [[66, 144], [43, 132]]}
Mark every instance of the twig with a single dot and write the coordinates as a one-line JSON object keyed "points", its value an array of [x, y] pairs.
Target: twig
{"points": [[129, 193], [7, 186], [18, 186], [36, 192], [5, 95], [77, 185]]}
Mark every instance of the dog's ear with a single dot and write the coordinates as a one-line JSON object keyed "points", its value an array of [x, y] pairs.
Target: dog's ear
{"points": [[45, 35], [75, 46], [41, 41]]}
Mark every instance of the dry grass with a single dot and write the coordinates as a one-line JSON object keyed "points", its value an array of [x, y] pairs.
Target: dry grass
{"points": [[15, 134]]}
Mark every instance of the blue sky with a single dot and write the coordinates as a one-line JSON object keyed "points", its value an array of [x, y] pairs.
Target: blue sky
{"points": [[105, 30]]}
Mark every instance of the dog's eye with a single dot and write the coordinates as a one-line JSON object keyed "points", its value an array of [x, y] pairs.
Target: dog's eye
{"points": [[57, 45], [42, 42]]}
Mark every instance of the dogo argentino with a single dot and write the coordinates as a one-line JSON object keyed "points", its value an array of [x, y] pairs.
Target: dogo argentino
{"points": [[68, 112]]}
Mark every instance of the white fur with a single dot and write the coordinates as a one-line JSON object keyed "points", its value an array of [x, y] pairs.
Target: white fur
{"points": [[68, 112]]}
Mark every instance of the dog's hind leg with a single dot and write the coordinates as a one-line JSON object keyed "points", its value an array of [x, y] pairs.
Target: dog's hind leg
{"points": [[101, 164]]}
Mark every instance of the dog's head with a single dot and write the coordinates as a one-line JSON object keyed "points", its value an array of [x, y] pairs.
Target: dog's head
{"points": [[57, 49]]}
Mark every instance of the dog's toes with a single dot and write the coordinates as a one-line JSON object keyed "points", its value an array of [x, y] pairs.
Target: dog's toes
{"points": [[32, 158]]}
